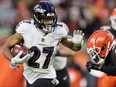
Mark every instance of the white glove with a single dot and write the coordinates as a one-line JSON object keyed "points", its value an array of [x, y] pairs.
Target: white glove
{"points": [[17, 60], [14, 66], [77, 37]]}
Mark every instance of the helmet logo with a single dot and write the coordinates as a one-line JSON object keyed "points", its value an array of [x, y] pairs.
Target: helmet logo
{"points": [[42, 39], [38, 8], [50, 14]]}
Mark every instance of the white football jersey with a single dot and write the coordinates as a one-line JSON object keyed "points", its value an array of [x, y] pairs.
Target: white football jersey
{"points": [[40, 65]]}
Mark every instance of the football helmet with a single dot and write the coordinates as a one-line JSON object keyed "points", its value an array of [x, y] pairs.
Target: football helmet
{"points": [[113, 19], [44, 11], [99, 45]]}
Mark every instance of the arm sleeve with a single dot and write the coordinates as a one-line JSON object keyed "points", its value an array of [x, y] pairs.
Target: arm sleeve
{"points": [[110, 70]]}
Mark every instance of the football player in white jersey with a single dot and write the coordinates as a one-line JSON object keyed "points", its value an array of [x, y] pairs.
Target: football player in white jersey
{"points": [[41, 36]]}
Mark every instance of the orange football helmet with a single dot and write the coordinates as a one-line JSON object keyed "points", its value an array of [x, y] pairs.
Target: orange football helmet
{"points": [[99, 45]]}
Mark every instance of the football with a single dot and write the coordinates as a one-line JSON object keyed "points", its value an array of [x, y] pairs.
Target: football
{"points": [[17, 48]]}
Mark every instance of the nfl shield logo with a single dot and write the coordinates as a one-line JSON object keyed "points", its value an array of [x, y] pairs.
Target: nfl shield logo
{"points": [[42, 39]]}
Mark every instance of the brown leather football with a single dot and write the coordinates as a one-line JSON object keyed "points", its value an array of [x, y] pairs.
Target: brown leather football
{"points": [[17, 48]]}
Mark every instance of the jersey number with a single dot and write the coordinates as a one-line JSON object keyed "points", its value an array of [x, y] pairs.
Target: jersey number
{"points": [[32, 61]]}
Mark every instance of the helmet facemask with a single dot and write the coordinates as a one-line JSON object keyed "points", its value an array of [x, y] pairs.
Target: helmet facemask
{"points": [[98, 54], [48, 23]]}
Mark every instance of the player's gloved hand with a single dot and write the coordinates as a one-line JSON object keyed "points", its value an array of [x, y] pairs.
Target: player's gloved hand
{"points": [[91, 65], [17, 60], [77, 37]]}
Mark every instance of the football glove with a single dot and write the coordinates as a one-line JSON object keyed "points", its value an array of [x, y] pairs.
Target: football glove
{"points": [[77, 38], [14, 66], [17, 60], [91, 65]]}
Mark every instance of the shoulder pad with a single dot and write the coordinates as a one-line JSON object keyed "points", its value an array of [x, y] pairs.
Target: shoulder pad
{"points": [[24, 21], [63, 25], [27, 21]]}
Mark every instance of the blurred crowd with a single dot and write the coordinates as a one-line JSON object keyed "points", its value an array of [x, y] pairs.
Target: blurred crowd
{"points": [[86, 15]]}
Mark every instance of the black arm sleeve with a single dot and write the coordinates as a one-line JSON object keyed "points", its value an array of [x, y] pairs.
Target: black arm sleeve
{"points": [[110, 70]]}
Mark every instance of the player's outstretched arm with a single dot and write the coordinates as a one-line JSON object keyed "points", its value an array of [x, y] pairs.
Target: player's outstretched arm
{"points": [[75, 43]]}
